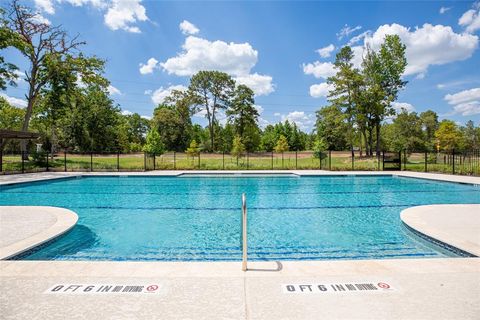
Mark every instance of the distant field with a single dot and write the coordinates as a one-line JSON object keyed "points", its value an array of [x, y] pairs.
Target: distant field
{"points": [[180, 161]]}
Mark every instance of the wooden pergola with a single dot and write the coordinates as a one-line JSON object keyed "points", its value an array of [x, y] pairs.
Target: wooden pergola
{"points": [[17, 135]]}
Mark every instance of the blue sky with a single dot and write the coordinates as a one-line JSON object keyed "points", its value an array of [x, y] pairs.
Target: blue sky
{"points": [[273, 47]]}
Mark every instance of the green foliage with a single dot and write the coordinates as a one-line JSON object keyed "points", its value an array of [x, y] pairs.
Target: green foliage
{"points": [[238, 147], [282, 144], [332, 127], [319, 147], [154, 143], [193, 150], [10, 117], [448, 135]]}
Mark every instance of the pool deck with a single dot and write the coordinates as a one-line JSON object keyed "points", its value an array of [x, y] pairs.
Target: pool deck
{"points": [[447, 288]]}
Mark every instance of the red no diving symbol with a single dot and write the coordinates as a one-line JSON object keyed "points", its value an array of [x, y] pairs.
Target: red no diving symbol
{"points": [[383, 285], [151, 288]]}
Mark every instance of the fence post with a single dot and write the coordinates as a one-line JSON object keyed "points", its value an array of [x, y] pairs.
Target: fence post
{"points": [[247, 161], [272, 160], [1, 155], [426, 156], [330, 160], [353, 161], [154, 160], [320, 160], [65, 160], [23, 162], [118, 161], [47, 161], [174, 161], [199, 160], [283, 167], [223, 159], [296, 159], [453, 161], [383, 160], [91, 161], [144, 161]]}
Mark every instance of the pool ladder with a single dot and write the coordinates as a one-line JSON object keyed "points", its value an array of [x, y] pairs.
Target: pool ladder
{"points": [[244, 232]]}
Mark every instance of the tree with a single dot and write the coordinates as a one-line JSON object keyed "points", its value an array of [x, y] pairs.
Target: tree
{"points": [[37, 41], [406, 133], [268, 138], [319, 147], [429, 121], [211, 91], [346, 83], [282, 144], [332, 127], [8, 74], [153, 143], [238, 148], [193, 150], [471, 136], [448, 135]]}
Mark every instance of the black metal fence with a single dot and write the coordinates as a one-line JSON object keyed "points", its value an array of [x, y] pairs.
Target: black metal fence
{"points": [[452, 162]]}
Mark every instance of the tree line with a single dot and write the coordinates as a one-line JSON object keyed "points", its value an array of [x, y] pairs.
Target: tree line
{"points": [[68, 103]]}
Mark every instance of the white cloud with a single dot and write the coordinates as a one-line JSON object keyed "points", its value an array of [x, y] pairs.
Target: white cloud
{"points": [[466, 102], [359, 37], [161, 93], [123, 14], [148, 92], [470, 20], [346, 31], [188, 27], [398, 106], [463, 96], [325, 52], [304, 121], [127, 113], [259, 108], [263, 122], [320, 90], [201, 114], [444, 9], [38, 18], [113, 91], [260, 84], [45, 5], [319, 69], [427, 45], [151, 64], [20, 103], [201, 54]]}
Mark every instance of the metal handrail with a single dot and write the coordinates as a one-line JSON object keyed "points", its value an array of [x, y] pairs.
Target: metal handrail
{"points": [[244, 232]]}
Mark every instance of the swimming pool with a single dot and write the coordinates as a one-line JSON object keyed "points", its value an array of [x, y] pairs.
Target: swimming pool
{"points": [[199, 217]]}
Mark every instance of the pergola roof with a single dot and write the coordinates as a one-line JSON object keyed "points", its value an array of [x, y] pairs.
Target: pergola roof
{"points": [[12, 134]]}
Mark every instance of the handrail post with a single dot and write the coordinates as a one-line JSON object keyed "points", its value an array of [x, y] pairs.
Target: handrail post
{"points": [[244, 233]]}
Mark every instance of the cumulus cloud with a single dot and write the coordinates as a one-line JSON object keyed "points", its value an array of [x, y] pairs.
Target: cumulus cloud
{"points": [[113, 90], [123, 14], [359, 37], [188, 28], [260, 84], [346, 31], [466, 102], [17, 102], [147, 68], [304, 121], [201, 54], [127, 113], [326, 52], [259, 108], [470, 20], [159, 95], [45, 6], [427, 45], [236, 59], [320, 90], [319, 69], [38, 18], [398, 106]]}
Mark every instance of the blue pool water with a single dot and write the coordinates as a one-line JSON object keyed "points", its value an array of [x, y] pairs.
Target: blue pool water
{"points": [[199, 218]]}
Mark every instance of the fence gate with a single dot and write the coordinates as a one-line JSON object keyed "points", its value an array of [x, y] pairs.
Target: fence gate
{"points": [[392, 161]]}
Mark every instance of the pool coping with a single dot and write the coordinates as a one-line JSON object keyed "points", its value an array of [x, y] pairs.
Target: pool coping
{"points": [[417, 219], [64, 221]]}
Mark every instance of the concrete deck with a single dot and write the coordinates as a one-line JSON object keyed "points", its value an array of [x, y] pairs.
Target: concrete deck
{"points": [[24, 227], [419, 289], [457, 225]]}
